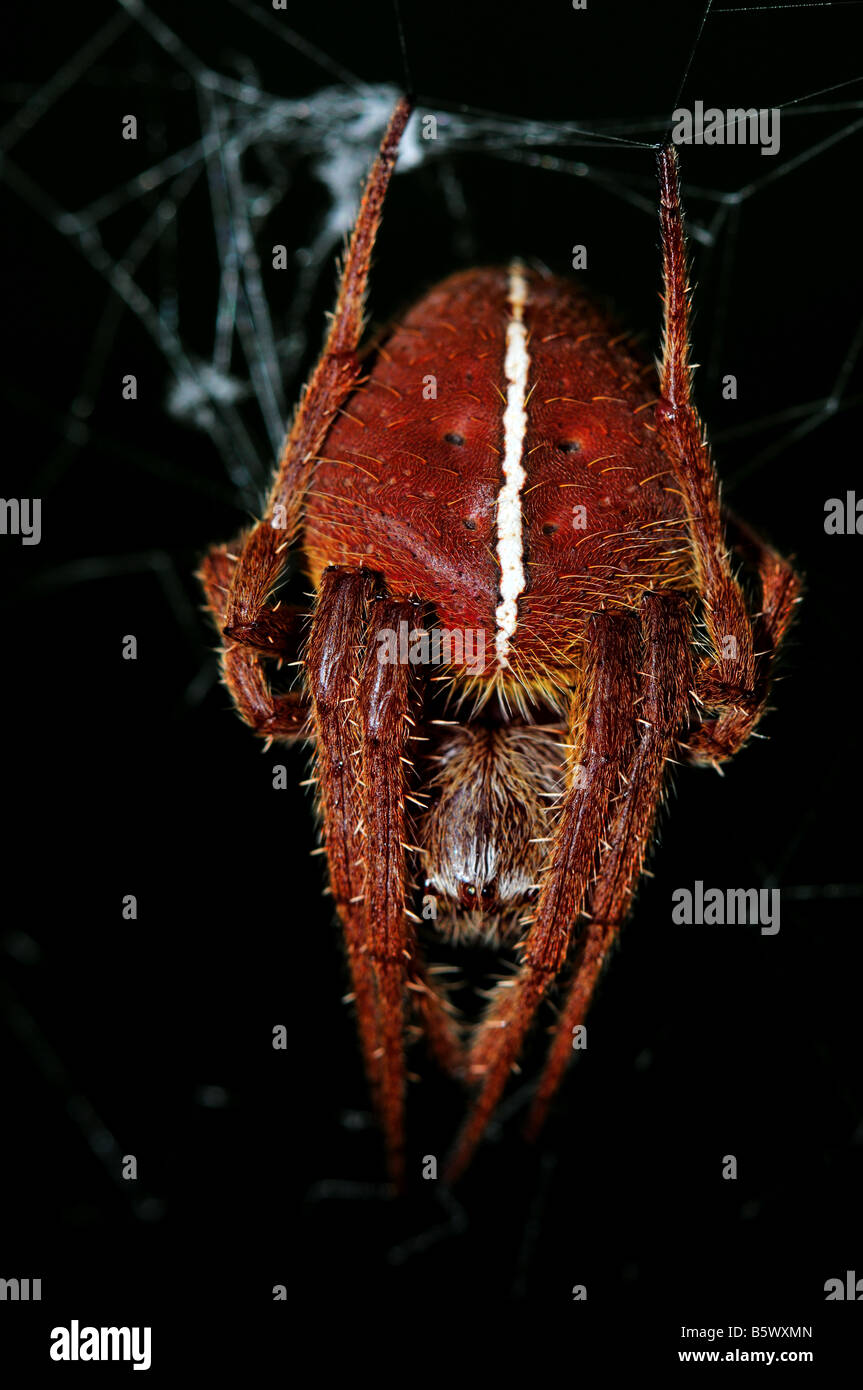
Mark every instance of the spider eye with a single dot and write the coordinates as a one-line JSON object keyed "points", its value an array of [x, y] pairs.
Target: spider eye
{"points": [[467, 895], [469, 524], [549, 528], [453, 439], [569, 446]]}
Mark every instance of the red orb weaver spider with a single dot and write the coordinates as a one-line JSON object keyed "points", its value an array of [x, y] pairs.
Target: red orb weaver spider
{"points": [[500, 462]]}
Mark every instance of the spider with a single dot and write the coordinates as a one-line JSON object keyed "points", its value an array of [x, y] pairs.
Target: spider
{"points": [[497, 465]]}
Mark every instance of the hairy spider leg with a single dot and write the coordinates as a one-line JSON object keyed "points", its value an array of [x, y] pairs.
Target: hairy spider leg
{"points": [[780, 593], [382, 712], [608, 692], [666, 626], [263, 549], [384, 703], [363, 725], [731, 680], [337, 635], [239, 579], [284, 716]]}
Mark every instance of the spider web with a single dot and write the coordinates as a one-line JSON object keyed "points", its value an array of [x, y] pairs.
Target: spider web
{"points": [[233, 377], [244, 168], [179, 247]]}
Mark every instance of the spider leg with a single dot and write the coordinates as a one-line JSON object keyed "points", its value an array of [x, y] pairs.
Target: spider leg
{"points": [[780, 593], [382, 708], [608, 692], [437, 1020], [780, 584], [363, 730], [284, 716], [337, 635], [731, 680], [239, 581], [664, 712], [263, 549]]}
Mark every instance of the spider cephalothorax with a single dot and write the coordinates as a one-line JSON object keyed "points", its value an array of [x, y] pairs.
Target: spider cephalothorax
{"points": [[526, 607]]}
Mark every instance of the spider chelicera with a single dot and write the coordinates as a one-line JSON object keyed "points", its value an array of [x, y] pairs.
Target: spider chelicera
{"points": [[497, 469]]}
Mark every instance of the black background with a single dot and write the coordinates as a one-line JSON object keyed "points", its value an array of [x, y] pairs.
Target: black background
{"points": [[259, 1167]]}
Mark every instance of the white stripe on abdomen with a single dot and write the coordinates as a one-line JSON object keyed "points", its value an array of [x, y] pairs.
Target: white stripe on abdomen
{"points": [[510, 541]]}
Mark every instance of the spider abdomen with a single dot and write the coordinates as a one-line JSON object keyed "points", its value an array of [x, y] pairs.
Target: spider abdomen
{"points": [[501, 460]]}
